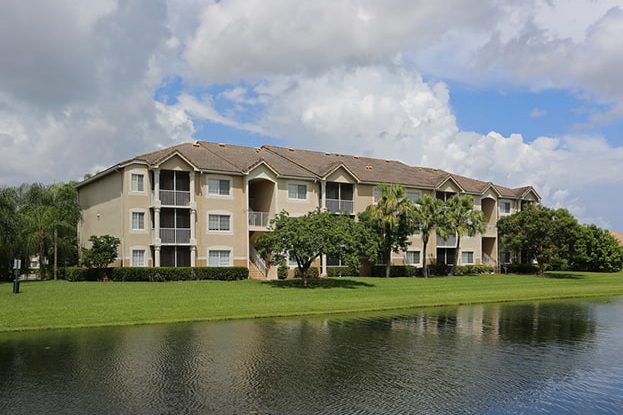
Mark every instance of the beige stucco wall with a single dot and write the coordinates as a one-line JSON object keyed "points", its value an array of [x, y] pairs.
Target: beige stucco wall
{"points": [[234, 205], [101, 204], [139, 202], [298, 207]]}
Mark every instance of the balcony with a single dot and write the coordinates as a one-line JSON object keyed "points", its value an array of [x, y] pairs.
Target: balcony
{"points": [[340, 205], [259, 219], [174, 198], [449, 242], [175, 236]]}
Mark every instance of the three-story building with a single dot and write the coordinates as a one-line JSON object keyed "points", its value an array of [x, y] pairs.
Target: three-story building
{"points": [[206, 204]]}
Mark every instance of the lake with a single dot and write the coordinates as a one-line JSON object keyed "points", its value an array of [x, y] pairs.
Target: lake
{"points": [[546, 357]]}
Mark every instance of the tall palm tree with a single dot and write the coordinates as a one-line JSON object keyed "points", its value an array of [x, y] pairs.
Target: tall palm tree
{"points": [[461, 219], [428, 215], [391, 218]]}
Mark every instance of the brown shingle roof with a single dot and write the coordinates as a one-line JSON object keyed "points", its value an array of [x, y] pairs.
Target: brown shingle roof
{"points": [[618, 236], [234, 159]]}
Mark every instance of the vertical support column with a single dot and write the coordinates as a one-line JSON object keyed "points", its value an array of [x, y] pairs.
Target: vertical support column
{"points": [[192, 188], [157, 256], [246, 219], [193, 214], [157, 187], [323, 206], [156, 238], [193, 219], [193, 256]]}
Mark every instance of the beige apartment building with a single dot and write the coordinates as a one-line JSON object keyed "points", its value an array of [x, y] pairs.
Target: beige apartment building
{"points": [[205, 204]]}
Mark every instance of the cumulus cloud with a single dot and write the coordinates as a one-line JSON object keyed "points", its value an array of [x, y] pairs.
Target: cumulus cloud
{"points": [[394, 113]]}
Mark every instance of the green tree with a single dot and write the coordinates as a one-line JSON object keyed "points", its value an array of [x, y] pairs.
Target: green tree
{"points": [[596, 250], [391, 219], [460, 218], [307, 237], [547, 235], [102, 253], [428, 215], [49, 214], [9, 229]]}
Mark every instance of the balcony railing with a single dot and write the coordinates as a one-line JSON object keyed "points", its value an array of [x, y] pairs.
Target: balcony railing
{"points": [[340, 205], [449, 242], [175, 235], [259, 219], [174, 197]]}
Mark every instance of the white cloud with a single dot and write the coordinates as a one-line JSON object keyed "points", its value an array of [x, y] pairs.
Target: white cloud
{"points": [[538, 113], [393, 113]]}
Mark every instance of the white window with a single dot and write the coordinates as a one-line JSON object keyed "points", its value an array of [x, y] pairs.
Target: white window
{"points": [[412, 258], [297, 191], [138, 182], [218, 223], [377, 194], [138, 221], [505, 207], [218, 187], [414, 196], [292, 262], [138, 257], [467, 257], [218, 258]]}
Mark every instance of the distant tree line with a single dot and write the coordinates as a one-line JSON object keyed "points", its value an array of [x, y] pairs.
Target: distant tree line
{"points": [[38, 220]]}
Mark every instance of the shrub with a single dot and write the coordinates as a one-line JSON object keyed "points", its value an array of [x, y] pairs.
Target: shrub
{"points": [[282, 272], [157, 273], [342, 271], [311, 273], [397, 271], [439, 269], [520, 268], [474, 269]]}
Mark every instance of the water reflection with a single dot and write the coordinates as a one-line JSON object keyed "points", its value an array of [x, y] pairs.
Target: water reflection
{"points": [[476, 359]]}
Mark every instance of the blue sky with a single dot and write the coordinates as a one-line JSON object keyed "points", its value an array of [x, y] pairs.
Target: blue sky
{"points": [[472, 87]]}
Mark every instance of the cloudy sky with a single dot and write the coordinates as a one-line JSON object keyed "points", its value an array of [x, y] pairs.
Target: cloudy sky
{"points": [[515, 92]]}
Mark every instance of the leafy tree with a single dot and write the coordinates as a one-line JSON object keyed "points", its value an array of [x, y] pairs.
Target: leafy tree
{"points": [[391, 219], [102, 253], [596, 249], [544, 234], [460, 218], [307, 237], [49, 214], [9, 229], [428, 215]]}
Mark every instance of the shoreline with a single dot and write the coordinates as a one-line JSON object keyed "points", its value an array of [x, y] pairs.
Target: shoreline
{"points": [[278, 300]]}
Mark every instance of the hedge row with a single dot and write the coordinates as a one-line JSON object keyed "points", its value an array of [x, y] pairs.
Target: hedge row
{"points": [[156, 274], [341, 271], [397, 271], [520, 268]]}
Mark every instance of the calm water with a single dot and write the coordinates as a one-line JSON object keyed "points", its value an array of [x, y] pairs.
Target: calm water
{"points": [[560, 357]]}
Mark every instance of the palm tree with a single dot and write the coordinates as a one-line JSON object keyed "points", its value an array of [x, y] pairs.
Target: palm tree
{"points": [[461, 219], [428, 215], [391, 219]]}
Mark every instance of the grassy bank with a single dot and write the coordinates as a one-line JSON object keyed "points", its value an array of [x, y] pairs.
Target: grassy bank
{"points": [[61, 304]]}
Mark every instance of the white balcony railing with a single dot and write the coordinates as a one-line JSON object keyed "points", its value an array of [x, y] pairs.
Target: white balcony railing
{"points": [[259, 219], [175, 235], [174, 198], [340, 205], [449, 242]]}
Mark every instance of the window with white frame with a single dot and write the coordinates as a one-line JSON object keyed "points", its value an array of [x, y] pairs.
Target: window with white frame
{"points": [[414, 195], [297, 191], [412, 258], [219, 223], [138, 182], [218, 258], [138, 221], [292, 262], [218, 187], [505, 207], [138, 257], [377, 194], [467, 257]]}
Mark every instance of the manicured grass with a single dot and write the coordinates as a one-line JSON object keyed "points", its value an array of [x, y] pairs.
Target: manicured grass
{"points": [[61, 304]]}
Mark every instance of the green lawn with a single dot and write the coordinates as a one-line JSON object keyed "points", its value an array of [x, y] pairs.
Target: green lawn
{"points": [[60, 304]]}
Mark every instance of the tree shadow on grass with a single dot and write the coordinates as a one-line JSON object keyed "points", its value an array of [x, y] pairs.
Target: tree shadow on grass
{"points": [[564, 276], [319, 283]]}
